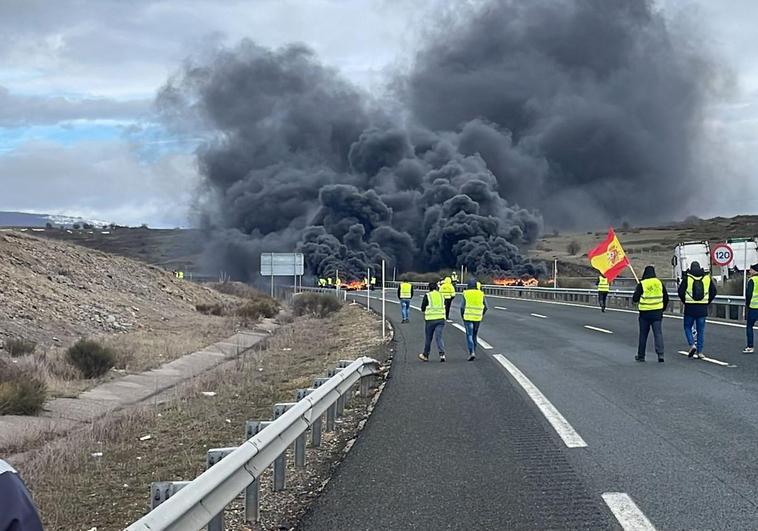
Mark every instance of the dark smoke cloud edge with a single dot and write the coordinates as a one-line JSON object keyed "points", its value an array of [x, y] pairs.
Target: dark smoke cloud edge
{"points": [[578, 108]]}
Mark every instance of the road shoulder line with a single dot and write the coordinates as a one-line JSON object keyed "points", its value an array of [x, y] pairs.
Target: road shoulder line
{"points": [[627, 512], [559, 423]]}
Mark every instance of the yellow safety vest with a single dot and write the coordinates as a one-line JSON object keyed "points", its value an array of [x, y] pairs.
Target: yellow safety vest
{"points": [[474, 305], [435, 308], [329, 281], [405, 290], [448, 290], [706, 289], [652, 295], [603, 286], [754, 298], [373, 281]]}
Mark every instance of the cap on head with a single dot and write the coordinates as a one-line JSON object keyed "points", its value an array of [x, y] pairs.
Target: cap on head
{"points": [[432, 286], [471, 283]]}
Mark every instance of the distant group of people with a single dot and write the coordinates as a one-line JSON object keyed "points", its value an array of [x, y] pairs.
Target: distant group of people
{"points": [[697, 291], [436, 306]]}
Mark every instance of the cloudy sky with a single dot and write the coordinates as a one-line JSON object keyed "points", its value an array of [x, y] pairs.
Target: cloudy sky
{"points": [[78, 134]]}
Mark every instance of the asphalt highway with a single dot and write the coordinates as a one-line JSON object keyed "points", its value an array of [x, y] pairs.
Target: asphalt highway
{"points": [[661, 445]]}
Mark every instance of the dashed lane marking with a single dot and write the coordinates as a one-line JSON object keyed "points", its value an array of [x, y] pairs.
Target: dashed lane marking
{"points": [[626, 512], [619, 310], [709, 360], [482, 343], [538, 315], [596, 329], [559, 423], [500, 308]]}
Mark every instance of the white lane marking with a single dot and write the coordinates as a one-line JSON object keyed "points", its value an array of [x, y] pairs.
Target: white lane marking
{"points": [[596, 329], [626, 512], [538, 315], [709, 360], [620, 310], [501, 308], [556, 420], [482, 343]]}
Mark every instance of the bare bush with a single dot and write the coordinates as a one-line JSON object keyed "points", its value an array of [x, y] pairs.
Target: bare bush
{"points": [[19, 347], [91, 358], [317, 304], [573, 248], [21, 391]]}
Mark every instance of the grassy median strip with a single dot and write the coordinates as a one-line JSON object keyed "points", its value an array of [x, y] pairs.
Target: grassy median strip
{"points": [[100, 477]]}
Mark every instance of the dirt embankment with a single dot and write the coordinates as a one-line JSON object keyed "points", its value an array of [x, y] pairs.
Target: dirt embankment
{"points": [[54, 292]]}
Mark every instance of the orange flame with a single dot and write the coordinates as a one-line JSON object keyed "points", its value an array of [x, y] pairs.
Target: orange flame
{"points": [[528, 282], [354, 285]]}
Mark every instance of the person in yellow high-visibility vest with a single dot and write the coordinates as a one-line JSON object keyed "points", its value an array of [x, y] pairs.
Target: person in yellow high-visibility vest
{"points": [[433, 307], [329, 282], [697, 291], [603, 287], [405, 294], [473, 308], [652, 299], [751, 307], [448, 293]]}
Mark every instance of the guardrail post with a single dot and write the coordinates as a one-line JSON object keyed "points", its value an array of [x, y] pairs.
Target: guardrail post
{"points": [[252, 492], [331, 410], [340, 409], [365, 386], [160, 491], [280, 464], [214, 456]]}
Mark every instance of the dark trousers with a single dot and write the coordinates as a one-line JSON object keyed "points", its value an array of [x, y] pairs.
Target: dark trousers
{"points": [[752, 318], [448, 304], [434, 330], [602, 297], [645, 325]]}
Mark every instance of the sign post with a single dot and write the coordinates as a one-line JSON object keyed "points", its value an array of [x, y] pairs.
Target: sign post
{"points": [[282, 265]]}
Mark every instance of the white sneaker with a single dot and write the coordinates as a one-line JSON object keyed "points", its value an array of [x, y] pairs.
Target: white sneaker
{"points": [[748, 350]]}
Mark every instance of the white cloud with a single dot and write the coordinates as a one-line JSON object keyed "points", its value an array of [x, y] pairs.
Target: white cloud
{"points": [[104, 180]]}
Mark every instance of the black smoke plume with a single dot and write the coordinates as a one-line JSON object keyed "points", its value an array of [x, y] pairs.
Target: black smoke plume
{"points": [[582, 109]]}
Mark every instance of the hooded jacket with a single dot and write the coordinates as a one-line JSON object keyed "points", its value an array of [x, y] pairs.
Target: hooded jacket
{"points": [[17, 511], [653, 315], [696, 310]]}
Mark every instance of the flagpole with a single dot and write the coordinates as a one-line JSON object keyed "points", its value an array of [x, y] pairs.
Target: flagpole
{"points": [[634, 273]]}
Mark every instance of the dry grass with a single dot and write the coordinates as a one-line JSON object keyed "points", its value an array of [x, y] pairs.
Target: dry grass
{"points": [[75, 490], [134, 352]]}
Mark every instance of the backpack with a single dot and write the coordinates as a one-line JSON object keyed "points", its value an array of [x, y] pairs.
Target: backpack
{"points": [[698, 290]]}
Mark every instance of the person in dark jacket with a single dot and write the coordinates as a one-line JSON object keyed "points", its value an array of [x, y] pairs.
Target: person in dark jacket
{"points": [[652, 299], [17, 511], [697, 291], [751, 307]]}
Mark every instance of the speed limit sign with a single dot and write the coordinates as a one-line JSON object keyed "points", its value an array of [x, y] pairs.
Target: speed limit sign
{"points": [[722, 254]]}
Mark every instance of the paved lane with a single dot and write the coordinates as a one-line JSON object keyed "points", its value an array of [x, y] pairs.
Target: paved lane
{"points": [[680, 437], [456, 446]]}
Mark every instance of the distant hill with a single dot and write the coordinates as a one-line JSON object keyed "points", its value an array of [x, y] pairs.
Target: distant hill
{"points": [[25, 219]]}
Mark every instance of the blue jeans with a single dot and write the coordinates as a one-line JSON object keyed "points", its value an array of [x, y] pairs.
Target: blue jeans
{"points": [[752, 318], [405, 309], [472, 330], [434, 329], [699, 323]]}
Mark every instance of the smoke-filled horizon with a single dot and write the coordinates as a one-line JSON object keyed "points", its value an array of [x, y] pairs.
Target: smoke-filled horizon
{"points": [[581, 111]]}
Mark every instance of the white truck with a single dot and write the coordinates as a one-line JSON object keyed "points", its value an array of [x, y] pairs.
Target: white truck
{"points": [[687, 252], [745, 254]]}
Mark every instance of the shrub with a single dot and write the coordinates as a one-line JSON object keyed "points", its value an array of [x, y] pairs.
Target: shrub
{"points": [[573, 247], [76, 226], [211, 309], [91, 358], [255, 309], [317, 304], [238, 289], [21, 392], [19, 347]]}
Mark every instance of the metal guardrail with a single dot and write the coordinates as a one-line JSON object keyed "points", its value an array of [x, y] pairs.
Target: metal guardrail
{"points": [[182, 506], [731, 308]]}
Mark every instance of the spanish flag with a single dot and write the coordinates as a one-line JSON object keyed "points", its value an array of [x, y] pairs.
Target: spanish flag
{"points": [[609, 257]]}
